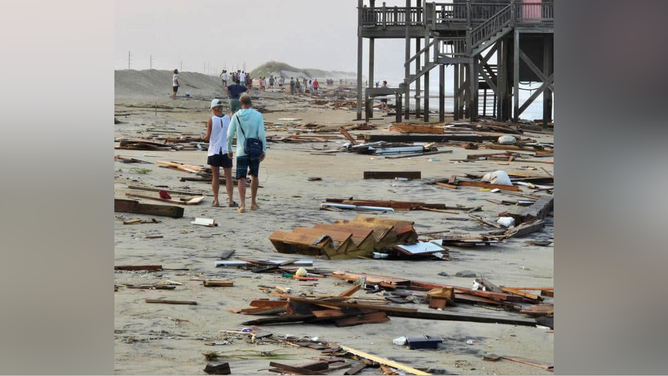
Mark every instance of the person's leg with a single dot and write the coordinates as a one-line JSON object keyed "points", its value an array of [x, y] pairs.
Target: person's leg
{"points": [[255, 182], [215, 183], [254, 185], [229, 186], [242, 170], [242, 194]]}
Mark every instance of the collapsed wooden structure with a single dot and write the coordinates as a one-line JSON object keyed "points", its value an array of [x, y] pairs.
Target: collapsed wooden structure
{"points": [[345, 239]]}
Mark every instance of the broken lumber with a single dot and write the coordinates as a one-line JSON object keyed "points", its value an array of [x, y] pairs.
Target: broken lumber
{"points": [[347, 135], [139, 267], [165, 301], [472, 137], [192, 201], [387, 362], [218, 369], [131, 206], [392, 174], [218, 283]]}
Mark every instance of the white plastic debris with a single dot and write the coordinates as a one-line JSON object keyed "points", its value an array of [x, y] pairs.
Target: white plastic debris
{"points": [[377, 255], [507, 140], [401, 341], [469, 341], [506, 221], [478, 287], [301, 272], [497, 177]]}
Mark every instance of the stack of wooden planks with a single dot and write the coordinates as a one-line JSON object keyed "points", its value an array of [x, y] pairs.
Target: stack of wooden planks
{"points": [[345, 239]]}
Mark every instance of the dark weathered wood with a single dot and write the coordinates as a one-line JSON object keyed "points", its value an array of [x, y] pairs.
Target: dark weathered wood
{"points": [[392, 174], [435, 315], [428, 138], [217, 283], [166, 301], [138, 267], [218, 369], [356, 368], [131, 206], [166, 190]]}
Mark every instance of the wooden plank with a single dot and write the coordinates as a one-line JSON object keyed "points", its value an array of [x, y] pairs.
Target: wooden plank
{"points": [[347, 135], [437, 315], [369, 318], [392, 174], [418, 154], [529, 362], [488, 285], [539, 310], [166, 301], [268, 303], [131, 206], [218, 283], [298, 370], [138, 267], [446, 185], [329, 303], [350, 291], [472, 137], [151, 189], [520, 293], [480, 184], [192, 201], [218, 369], [416, 128], [356, 368], [383, 361]]}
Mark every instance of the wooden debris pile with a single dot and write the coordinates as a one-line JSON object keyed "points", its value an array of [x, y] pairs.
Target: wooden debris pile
{"points": [[345, 239], [386, 205], [383, 293], [164, 144]]}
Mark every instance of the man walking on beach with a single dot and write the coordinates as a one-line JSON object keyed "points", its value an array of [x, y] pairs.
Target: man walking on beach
{"points": [[234, 92], [242, 77], [223, 76], [175, 83], [248, 126], [292, 85]]}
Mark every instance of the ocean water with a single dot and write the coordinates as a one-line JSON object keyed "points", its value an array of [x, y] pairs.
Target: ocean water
{"points": [[534, 111]]}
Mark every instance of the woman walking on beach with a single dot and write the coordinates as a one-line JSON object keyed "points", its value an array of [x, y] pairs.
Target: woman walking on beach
{"points": [[175, 83], [216, 134]]}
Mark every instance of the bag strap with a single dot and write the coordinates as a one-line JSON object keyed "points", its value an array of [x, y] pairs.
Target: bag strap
{"points": [[242, 129]]}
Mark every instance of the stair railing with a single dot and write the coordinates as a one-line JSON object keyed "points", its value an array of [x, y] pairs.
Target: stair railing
{"points": [[490, 27]]}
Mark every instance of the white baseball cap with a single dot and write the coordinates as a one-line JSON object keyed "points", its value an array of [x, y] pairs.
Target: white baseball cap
{"points": [[216, 103]]}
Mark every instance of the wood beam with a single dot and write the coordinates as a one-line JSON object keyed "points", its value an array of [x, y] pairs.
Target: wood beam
{"points": [[441, 93], [536, 94], [516, 77], [360, 4]]}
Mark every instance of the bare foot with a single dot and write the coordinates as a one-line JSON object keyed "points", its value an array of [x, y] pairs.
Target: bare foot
{"points": [[215, 204], [255, 207]]}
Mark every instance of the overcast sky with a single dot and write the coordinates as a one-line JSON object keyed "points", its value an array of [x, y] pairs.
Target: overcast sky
{"points": [[303, 33], [318, 34]]}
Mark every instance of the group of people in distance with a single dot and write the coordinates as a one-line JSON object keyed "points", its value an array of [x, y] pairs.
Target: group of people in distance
{"points": [[296, 86]]}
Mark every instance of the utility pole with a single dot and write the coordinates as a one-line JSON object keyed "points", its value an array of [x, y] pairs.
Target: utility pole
{"points": [[181, 65], [150, 60], [129, 58]]}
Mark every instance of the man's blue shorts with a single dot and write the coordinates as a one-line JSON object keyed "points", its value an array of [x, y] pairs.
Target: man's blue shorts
{"points": [[245, 163]]}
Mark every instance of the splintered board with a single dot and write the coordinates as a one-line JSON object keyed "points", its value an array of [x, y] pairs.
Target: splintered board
{"points": [[131, 206], [392, 174]]}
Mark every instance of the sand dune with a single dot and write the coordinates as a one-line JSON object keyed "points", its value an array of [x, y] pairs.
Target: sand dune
{"points": [[158, 83]]}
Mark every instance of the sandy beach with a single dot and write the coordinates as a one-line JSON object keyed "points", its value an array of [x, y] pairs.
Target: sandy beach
{"points": [[169, 339]]}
